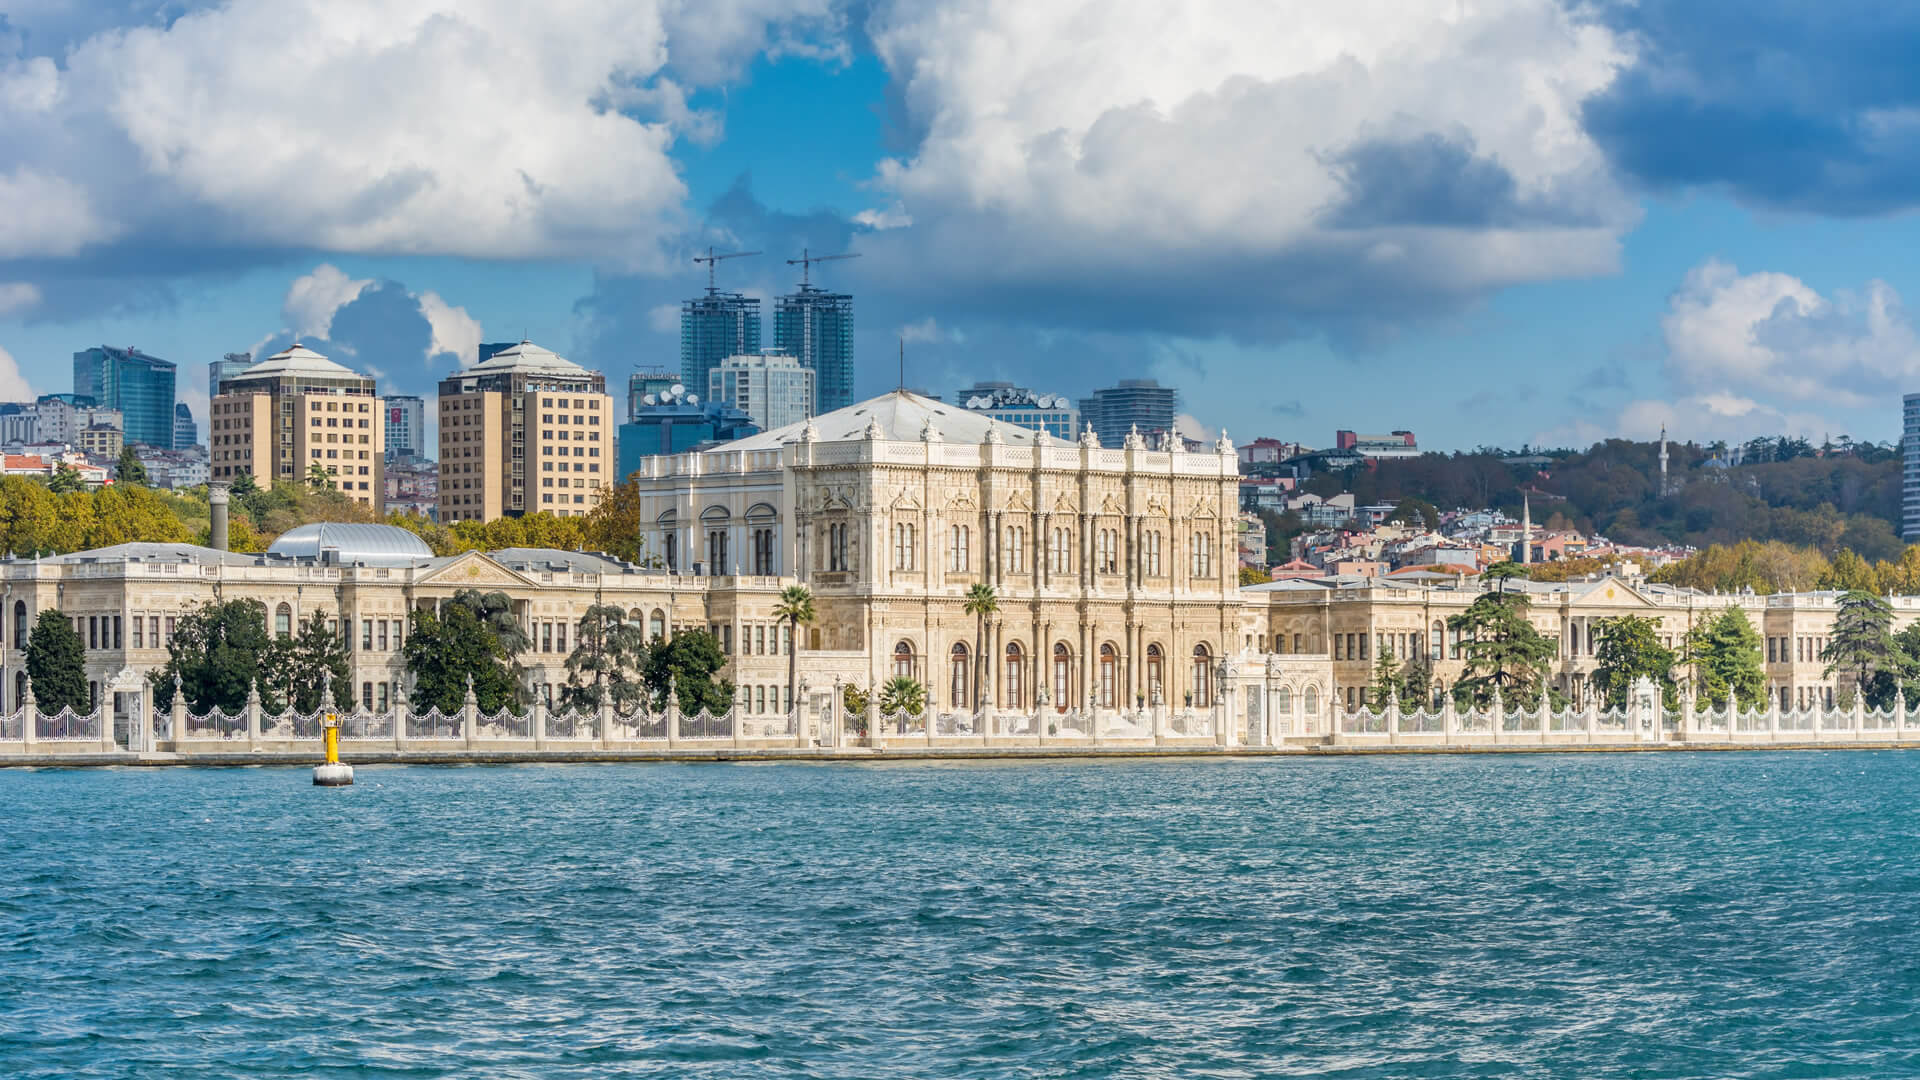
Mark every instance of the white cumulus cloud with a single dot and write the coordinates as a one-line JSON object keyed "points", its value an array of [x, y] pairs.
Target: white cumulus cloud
{"points": [[1312, 155], [13, 385], [17, 297], [454, 331], [314, 299]]}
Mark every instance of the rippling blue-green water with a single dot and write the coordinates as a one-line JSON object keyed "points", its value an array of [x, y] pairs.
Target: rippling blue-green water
{"points": [[1650, 915]]}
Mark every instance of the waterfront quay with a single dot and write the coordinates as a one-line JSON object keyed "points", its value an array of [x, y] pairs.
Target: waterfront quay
{"points": [[469, 735]]}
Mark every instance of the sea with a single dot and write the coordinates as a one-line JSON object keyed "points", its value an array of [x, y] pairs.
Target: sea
{"points": [[1710, 915]]}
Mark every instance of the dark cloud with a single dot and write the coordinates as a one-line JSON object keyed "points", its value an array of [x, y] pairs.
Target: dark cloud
{"points": [[1428, 180], [1287, 408], [1784, 104], [381, 333]]}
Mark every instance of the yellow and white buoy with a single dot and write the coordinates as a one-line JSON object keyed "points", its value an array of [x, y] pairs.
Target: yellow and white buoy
{"points": [[332, 773]]}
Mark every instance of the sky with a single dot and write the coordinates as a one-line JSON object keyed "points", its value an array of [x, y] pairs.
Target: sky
{"points": [[1491, 222]]}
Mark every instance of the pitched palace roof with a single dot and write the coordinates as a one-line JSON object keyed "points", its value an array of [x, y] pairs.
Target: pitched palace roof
{"points": [[903, 416]]}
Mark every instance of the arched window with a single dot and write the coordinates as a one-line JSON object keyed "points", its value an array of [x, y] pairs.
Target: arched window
{"points": [[1202, 677], [1013, 685], [1310, 702], [1156, 677], [657, 625], [19, 689], [903, 659], [1109, 676], [1282, 701], [957, 676], [283, 620], [19, 624], [1062, 676], [1439, 638]]}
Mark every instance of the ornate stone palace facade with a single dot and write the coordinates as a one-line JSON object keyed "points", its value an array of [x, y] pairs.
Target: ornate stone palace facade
{"points": [[1114, 570]]}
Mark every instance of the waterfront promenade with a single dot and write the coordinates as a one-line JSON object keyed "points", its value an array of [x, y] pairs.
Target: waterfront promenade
{"points": [[469, 735]]}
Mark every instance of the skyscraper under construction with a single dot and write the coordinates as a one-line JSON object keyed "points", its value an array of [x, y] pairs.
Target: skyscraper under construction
{"points": [[816, 326], [712, 328]]}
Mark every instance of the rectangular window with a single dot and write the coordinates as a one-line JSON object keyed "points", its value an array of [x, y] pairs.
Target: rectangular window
{"points": [[560, 637], [139, 637], [169, 640], [93, 632], [366, 696], [366, 633], [546, 637]]}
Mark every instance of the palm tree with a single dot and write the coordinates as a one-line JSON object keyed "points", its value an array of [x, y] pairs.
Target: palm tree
{"points": [[981, 602], [796, 607], [318, 478], [903, 693]]}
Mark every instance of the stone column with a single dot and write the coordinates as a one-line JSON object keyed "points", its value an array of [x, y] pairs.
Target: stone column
{"points": [[537, 719], [673, 716], [469, 713], [1449, 718], [29, 719], [253, 715], [400, 715], [800, 699], [1859, 713], [1499, 715], [1393, 718], [605, 719], [177, 717], [876, 738], [1899, 712], [1686, 717]]}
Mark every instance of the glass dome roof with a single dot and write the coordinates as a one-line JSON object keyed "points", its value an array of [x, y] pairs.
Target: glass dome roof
{"points": [[373, 545]]}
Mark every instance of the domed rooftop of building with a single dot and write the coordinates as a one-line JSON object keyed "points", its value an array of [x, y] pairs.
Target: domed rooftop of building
{"points": [[346, 544], [298, 360], [529, 358]]}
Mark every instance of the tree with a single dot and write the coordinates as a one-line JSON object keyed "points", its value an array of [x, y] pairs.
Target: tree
{"points": [[1254, 575], [796, 610], [1388, 683], [903, 693], [66, 480], [1848, 572], [853, 707], [243, 485], [690, 665], [129, 470], [1501, 572], [1862, 644], [1503, 650], [609, 653], [982, 601], [1725, 650], [464, 640], [57, 664], [1416, 511], [305, 665], [614, 525], [219, 652], [318, 478], [1629, 648]]}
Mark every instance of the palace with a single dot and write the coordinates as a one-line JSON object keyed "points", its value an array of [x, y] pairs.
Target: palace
{"points": [[1113, 569]]}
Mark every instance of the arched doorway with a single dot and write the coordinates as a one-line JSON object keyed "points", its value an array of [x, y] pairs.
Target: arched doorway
{"points": [[1013, 685], [1202, 680], [1109, 676], [1062, 676], [958, 663], [1156, 676]]}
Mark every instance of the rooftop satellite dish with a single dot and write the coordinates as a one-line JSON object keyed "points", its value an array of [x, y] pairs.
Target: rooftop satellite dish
{"points": [[976, 403], [649, 399], [676, 389], [693, 399]]}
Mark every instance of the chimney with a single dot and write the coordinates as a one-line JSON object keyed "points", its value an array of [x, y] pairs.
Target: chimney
{"points": [[217, 504]]}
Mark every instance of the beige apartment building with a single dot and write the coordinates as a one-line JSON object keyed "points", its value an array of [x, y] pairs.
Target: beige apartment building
{"points": [[292, 411], [522, 432]]}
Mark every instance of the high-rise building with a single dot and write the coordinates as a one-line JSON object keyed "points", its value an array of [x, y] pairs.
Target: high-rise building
{"points": [[406, 422], [60, 418], [1017, 405], [816, 327], [521, 432], [657, 383], [293, 411], [1910, 470], [1141, 404], [138, 385], [712, 328], [769, 386], [185, 431], [677, 426], [224, 368]]}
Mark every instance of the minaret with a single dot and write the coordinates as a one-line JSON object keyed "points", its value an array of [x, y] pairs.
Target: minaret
{"points": [[1663, 460], [1526, 529]]}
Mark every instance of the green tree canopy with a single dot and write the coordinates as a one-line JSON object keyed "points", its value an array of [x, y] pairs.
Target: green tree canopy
{"points": [[304, 664], [796, 610], [1502, 649], [609, 655], [1416, 511], [1725, 650], [218, 652], [66, 480], [465, 640], [691, 664], [903, 693], [982, 601], [57, 664], [1862, 644], [129, 470], [1629, 647]]}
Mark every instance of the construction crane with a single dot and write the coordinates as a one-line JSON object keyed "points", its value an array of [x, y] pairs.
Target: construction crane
{"points": [[805, 262], [711, 260]]}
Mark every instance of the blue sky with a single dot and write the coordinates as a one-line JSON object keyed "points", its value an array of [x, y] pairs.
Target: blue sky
{"points": [[1514, 221]]}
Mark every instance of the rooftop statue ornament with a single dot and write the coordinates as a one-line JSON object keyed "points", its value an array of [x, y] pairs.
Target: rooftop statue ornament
{"points": [[930, 433], [809, 433], [993, 435], [1225, 445], [1133, 441], [1089, 440]]}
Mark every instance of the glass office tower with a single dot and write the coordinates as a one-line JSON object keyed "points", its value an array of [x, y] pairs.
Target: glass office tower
{"points": [[140, 386], [712, 328], [816, 327]]}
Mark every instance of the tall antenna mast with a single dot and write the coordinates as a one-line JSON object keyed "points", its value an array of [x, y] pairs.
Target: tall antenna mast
{"points": [[711, 260], [805, 263], [903, 362]]}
